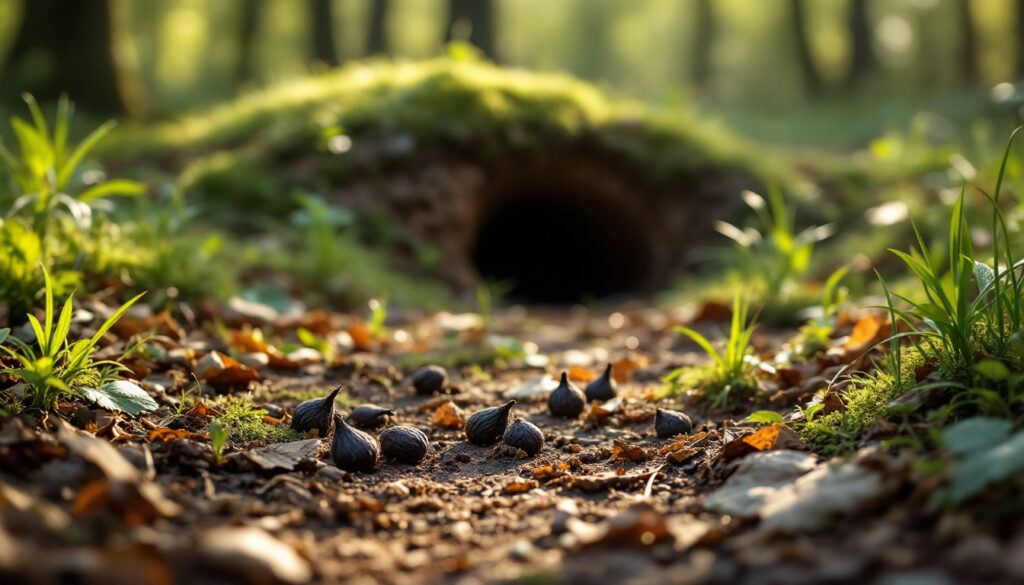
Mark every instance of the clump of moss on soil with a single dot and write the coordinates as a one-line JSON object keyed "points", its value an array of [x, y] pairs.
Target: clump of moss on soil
{"points": [[246, 425], [866, 401], [392, 109]]}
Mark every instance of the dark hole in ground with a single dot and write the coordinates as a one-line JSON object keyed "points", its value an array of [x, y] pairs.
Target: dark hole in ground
{"points": [[556, 248]]}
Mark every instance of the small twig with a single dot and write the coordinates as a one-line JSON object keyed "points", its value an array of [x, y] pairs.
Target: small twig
{"points": [[650, 483]]}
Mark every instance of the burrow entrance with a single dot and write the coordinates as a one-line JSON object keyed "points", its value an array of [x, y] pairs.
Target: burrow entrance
{"points": [[551, 247], [565, 229]]}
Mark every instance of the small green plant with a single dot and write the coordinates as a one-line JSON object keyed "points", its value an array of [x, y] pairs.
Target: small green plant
{"points": [[378, 315], [322, 345], [219, 434], [59, 363], [731, 371], [46, 173], [776, 256], [817, 332]]}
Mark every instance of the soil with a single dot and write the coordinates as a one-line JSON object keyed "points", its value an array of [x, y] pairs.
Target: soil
{"points": [[597, 505]]}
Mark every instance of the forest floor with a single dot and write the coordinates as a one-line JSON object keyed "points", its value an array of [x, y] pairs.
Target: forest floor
{"points": [[94, 497]]}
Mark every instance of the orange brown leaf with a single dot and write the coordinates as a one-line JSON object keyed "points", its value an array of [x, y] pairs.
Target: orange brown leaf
{"points": [[449, 416]]}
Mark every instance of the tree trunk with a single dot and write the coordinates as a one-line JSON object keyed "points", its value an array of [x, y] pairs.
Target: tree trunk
{"points": [[252, 20], [862, 55], [1020, 38], [479, 16], [969, 44], [377, 40], [703, 38], [805, 57], [65, 47], [324, 48]]}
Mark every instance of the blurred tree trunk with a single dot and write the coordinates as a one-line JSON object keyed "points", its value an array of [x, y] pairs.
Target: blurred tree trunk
{"points": [[703, 38], [801, 36], [252, 21], [377, 40], [324, 48], [862, 56], [1020, 38], [66, 47], [969, 44], [479, 16]]}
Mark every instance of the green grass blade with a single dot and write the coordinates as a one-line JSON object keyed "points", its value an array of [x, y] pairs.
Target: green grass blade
{"points": [[704, 343], [67, 170], [60, 334], [37, 115], [41, 337], [60, 129], [49, 303], [114, 187]]}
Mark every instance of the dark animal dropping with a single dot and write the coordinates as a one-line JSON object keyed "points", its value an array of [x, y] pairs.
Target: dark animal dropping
{"points": [[566, 401], [430, 380], [316, 414], [369, 416], [486, 426], [352, 449], [669, 423], [524, 435], [602, 388], [404, 444]]}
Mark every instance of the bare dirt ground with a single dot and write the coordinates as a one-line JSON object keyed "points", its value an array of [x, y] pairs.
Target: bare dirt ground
{"points": [[91, 497]]}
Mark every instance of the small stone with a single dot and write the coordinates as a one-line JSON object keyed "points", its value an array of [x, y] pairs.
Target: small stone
{"points": [[521, 550]]}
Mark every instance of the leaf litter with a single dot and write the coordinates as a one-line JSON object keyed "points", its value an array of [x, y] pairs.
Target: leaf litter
{"points": [[273, 508]]}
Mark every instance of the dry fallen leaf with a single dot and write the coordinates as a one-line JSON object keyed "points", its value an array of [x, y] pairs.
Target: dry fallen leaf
{"points": [[550, 471], [623, 369], [767, 438], [680, 455], [449, 416], [247, 340], [869, 330], [596, 416], [623, 452], [520, 486], [165, 434], [202, 410], [224, 371], [580, 374], [361, 336]]}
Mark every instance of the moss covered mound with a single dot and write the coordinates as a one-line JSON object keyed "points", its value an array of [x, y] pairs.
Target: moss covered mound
{"points": [[439, 147]]}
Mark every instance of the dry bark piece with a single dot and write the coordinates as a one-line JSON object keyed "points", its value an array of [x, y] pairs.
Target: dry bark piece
{"points": [[602, 388], [316, 414], [430, 380], [369, 416], [352, 449], [404, 444], [566, 401], [524, 435], [669, 423], [486, 426]]}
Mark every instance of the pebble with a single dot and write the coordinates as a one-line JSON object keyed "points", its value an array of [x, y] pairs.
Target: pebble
{"points": [[331, 472], [521, 550]]}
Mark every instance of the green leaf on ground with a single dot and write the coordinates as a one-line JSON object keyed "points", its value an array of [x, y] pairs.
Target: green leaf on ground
{"points": [[121, 395], [983, 468], [975, 434], [765, 416]]}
